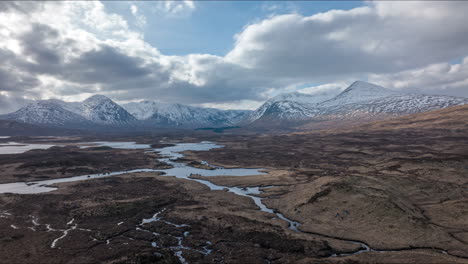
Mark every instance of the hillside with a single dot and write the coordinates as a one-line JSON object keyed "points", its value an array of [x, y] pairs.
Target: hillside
{"points": [[452, 118], [13, 128], [360, 103]]}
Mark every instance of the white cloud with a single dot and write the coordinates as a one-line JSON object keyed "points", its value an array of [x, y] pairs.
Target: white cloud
{"points": [[84, 49], [381, 37], [332, 88], [239, 105], [175, 8], [134, 9], [140, 18], [441, 78]]}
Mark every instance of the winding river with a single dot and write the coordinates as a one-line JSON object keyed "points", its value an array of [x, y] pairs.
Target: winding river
{"points": [[179, 170]]}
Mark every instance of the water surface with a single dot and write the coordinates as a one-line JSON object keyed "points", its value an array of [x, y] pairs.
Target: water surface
{"points": [[17, 148]]}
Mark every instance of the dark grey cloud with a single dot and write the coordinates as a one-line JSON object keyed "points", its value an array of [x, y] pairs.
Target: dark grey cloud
{"points": [[43, 44], [11, 81], [11, 78], [113, 70], [105, 65], [11, 103], [20, 6]]}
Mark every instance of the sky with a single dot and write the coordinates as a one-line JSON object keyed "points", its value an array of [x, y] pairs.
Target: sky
{"points": [[227, 54]]}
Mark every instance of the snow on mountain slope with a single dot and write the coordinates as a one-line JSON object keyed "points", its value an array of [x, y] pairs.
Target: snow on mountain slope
{"points": [[102, 110], [97, 109], [363, 98], [298, 102], [359, 92], [360, 99], [47, 112], [288, 110], [74, 107], [182, 115], [142, 110], [393, 105]]}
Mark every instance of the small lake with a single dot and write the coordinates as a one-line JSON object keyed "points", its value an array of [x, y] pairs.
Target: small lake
{"points": [[17, 148]]}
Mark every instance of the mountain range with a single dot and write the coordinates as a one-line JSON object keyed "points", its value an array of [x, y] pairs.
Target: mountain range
{"points": [[179, 115], [360, 102]]}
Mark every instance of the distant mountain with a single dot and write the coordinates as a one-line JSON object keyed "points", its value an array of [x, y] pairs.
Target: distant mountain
{"points": [[102, 110], [365, 99], [96, 110], [359, 92], [360, 102], [289, 106], [47, 112], [178, 115]]}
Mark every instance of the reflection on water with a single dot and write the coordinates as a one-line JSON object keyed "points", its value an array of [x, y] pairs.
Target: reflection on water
{"points": [[116, 144], [16, 148]]}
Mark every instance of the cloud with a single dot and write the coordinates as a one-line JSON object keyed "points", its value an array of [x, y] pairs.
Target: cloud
{"points": [[440, 78], [175, 8], [237, 105], [134, 9], [84, 49], [7, 6], [11, 103], [381, 37], [140, 18], [329, 88]]}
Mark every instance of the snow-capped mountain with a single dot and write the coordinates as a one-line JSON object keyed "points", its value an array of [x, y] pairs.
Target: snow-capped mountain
{"points": [[47, 112], [97, 110], [361, 100], [287, 110], [359, 91], [178, 115], [290, 105], [102, 110], [395, 105]]}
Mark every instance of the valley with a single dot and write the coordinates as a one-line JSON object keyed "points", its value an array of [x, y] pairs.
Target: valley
{"points": [[377, 193]]}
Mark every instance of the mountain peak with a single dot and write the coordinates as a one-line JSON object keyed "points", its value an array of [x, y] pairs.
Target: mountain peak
{"points": [[100, 109], [360, 91], [365, 86], [97, 98]]}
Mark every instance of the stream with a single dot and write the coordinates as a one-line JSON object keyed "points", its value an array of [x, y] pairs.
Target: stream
{"points": [[179, 170]]}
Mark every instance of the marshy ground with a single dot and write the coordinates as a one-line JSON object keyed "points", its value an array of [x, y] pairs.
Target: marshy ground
{"points": [[402, 192]]}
